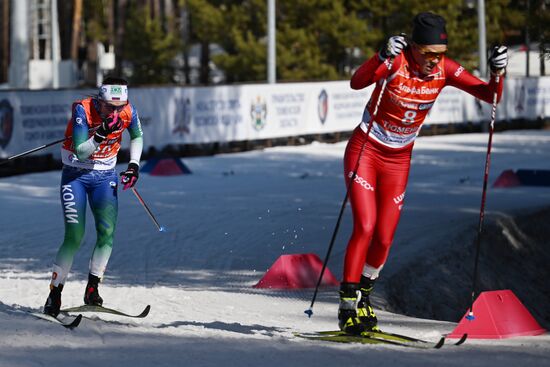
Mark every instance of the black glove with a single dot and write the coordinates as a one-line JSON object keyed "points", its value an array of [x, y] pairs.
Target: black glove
{"points": [[498, 60], [110, 124], [129, 177]]}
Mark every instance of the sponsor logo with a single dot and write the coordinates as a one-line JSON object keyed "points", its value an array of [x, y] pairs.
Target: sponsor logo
{"points": [[398, 200], [361, 181], [425, 106], [322, 106], [6, 123], [182, 118], [116, 90], [139, 126], [400, 129], [421, 90], [71, 214], [258, 113], [519, 99], [401, 103], [459, 71], [78, 121]]}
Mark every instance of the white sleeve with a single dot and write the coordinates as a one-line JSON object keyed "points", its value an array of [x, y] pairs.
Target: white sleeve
{"points": [[136, 147], [86, 149]]}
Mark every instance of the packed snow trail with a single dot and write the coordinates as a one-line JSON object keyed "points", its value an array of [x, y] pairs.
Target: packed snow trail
{"points": [[227, 223]]}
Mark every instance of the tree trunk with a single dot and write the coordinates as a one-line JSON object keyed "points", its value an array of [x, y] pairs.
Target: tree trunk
{"points": [[155, 9], [111, 22], [542, 59], [169, 17], [5, 48], [75, 36], [184, 29], [120, 30], [205, 61], [542, 40]]}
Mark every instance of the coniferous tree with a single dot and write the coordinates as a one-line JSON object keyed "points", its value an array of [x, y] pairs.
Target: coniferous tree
{"points": [[243, 36], [205, 17], [316, 39], [148, 49]]}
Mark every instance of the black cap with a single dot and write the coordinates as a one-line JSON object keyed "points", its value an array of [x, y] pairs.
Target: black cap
{"points": [[429, 29]]}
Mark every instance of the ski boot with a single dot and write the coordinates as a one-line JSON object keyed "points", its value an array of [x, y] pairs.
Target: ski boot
{"points": [[347, 312], [365, 312], [53, 303], [91, 295]]}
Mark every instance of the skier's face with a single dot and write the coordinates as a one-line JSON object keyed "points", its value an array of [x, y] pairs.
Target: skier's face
{"points": [[427, 57], [108, 108]]}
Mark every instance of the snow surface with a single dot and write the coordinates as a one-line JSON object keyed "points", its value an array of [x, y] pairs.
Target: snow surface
{"points": [[227, 223]]}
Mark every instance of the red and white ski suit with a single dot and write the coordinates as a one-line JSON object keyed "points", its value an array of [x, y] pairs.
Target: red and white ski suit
{"points": [[378, 190]]}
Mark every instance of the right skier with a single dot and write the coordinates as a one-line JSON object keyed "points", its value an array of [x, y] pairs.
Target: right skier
{"points": [[419, 71]]}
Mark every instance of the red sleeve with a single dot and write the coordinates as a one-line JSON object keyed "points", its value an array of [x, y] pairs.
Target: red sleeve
{"points": [[372, 71], [458, 77]]}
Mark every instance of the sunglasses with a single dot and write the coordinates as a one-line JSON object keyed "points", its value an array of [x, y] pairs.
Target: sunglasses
{"points": [[111, 108], [431, 55]]}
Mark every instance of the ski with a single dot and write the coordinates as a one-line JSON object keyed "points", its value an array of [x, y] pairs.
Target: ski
{"points": [[377, 334], [391, 336], [67, 322], [378, 337], [92, 308], [372, 340]]}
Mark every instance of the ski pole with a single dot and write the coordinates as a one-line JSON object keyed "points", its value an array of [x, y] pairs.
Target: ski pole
{"points": [[483, 197], [40, 148], [33, 150], [309, 311], [142, 202]]}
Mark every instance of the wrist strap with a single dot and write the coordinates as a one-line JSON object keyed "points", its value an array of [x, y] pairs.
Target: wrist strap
{"points": [[133, 166], [99, 138]]}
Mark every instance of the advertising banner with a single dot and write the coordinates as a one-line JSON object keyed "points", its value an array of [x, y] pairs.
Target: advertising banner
{"points": [[195, 115], [30, 119]]}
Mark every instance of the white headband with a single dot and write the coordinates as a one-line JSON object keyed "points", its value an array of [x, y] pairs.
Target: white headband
{"points": [[113, 93]]}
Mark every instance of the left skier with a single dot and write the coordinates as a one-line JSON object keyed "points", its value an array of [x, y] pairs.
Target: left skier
{"points": [[89, 156]]}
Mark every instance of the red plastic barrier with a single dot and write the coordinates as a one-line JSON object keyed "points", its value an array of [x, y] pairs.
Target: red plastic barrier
{"points": [[507, 178], [165, 167], [295, 272], [498, 315]]}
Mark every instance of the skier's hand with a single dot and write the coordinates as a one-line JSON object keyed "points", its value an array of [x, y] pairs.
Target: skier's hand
{"points": [[498, 60], [109, 124], [129, 177], [393, 47]]}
